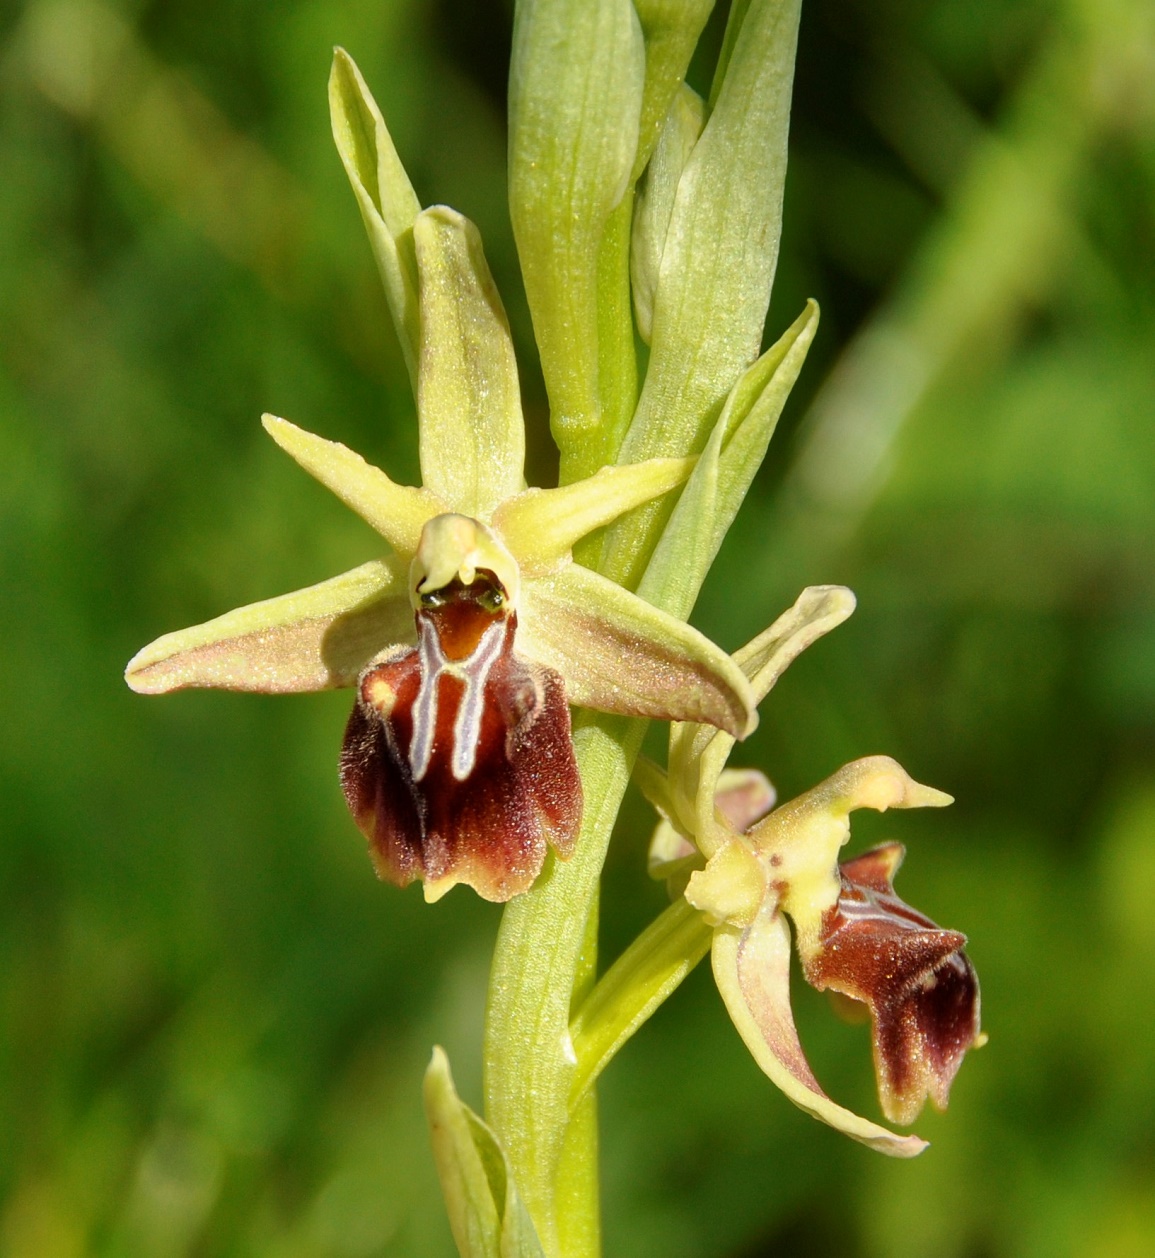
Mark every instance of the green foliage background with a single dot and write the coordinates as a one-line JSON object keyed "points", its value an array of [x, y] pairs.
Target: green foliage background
{"points": [[212, 1019]]}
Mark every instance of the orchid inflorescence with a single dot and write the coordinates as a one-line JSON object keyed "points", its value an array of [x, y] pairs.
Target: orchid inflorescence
{"points": [[494, 609]]}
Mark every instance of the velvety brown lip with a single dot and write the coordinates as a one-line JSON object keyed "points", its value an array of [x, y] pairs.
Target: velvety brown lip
{"points": [[522, 793]]}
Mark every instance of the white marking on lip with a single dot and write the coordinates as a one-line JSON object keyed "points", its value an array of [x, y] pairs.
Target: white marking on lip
{"points": [[467, 728], [433, 662], [473, 673]]}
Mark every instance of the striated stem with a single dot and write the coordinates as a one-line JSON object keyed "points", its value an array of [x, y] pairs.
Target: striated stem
{"points": [[543, 949]]}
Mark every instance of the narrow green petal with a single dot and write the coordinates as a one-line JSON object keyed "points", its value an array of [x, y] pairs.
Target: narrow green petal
{"points": [[397, 512], [671, 29], [468, 398], [817, 610], [634, 987], [575, 96], [752, 970], [540, 526], [384, 194], [619, 654], [655, 201], [718, 261], [313, 639]]}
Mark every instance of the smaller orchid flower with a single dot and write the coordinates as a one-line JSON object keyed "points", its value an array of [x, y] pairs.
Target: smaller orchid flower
{"points": [[468, 639], [854, 936]]}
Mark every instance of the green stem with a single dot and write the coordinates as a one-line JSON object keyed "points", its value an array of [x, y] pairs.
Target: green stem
{"points": [[543, 951]]}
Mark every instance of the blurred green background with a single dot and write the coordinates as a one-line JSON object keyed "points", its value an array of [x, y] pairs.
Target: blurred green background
{"points": [[212, 1018]]}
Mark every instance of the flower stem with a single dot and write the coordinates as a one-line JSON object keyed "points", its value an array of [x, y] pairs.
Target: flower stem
{"points": [[543, 953]]}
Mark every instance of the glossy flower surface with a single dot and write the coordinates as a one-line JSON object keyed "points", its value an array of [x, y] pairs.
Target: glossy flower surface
{"points": [[854, 936], [473, 632]]}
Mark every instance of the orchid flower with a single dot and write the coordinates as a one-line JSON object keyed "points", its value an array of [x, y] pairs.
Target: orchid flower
{"points": [[468, 638], [763, 865]]}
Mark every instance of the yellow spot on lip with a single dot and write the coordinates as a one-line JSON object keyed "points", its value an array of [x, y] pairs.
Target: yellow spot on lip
{"points": [[381, 695]]}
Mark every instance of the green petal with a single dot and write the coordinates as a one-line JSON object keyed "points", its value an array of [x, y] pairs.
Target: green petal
{"points": [[397, 512], [719, 258], [312, 639], [384, 194], [468, 399], [619, 654], [655, 201], [575, 95], [752, 970], [540, 526], [671, 29]]}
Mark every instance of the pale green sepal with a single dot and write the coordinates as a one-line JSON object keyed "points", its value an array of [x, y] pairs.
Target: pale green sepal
{"points": [[752, 970], [650, 969], [313, 639], [468, 397], [655, 201], [671, 29], [397, 512], [718, 262], [575, 95], [542, 525], [619, 654], [486, 1215], [384, 194]]}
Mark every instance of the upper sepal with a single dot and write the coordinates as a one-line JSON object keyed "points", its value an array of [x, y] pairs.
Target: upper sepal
{"points": [[468, 397]]}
